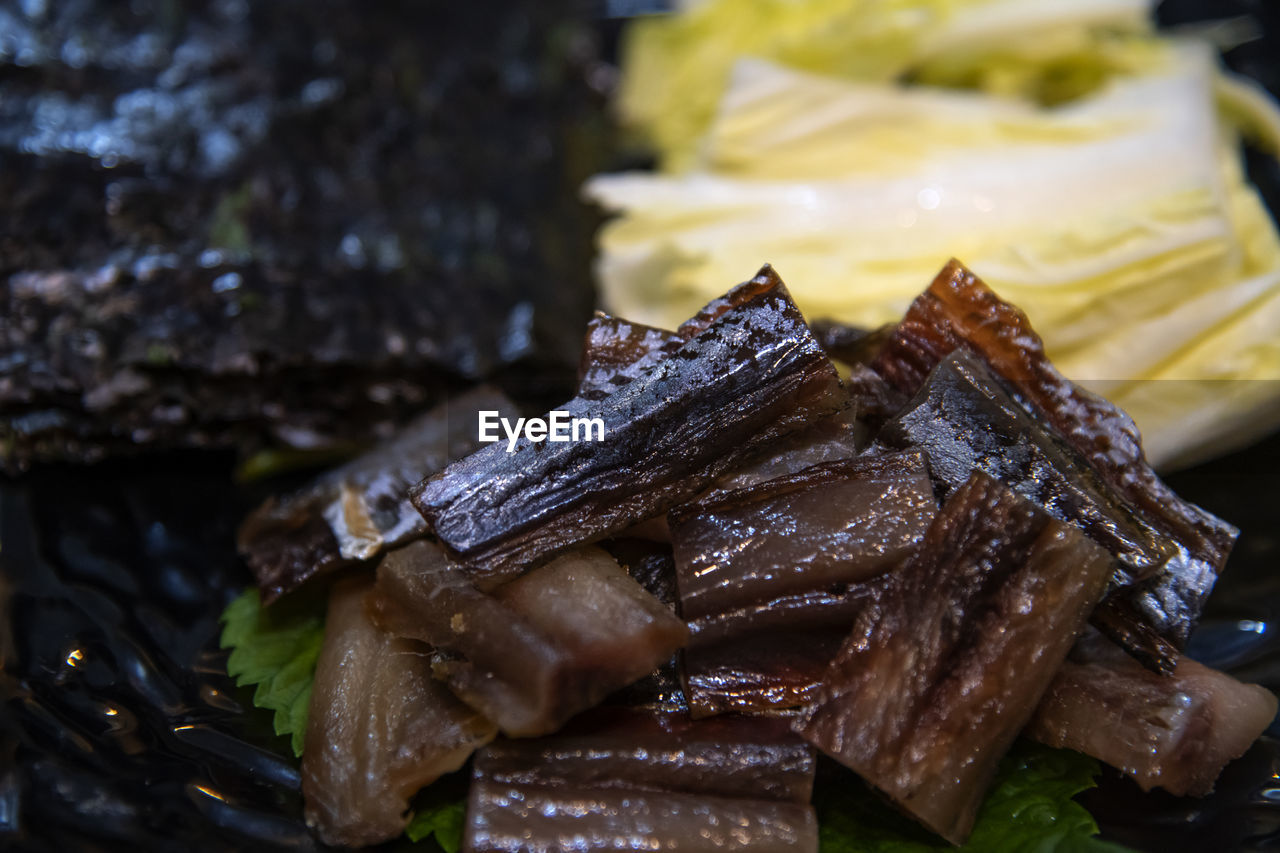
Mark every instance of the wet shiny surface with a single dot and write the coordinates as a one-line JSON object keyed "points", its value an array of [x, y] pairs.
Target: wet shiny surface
{"points": [[1173, 732], [959, 312], [754, 374], [637, 783], [380, 727], [143, 740], [948, 662], [615, 352], [842, 522], [1240, 634], [357, 511], [966, 419], [120, 718], [538, 650], [769, 575]]}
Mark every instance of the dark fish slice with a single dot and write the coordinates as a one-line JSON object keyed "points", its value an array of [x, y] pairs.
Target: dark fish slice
{"points": [[616, 352], [651, 565], [947, 664], [514, 819], [765, 281], [357, 511], [852, 345], [379, 727], [837, 437], [646, 783], [531, 654], [768, 658], [960, 311], [837, 608], [771, 576], [753, 375], [751, 758], [1175, 733], [967, 420], [840, 522], [775, 673]]}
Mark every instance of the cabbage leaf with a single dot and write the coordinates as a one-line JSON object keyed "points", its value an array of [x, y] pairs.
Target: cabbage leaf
{"points": [[677, 67], [1121, 222]]}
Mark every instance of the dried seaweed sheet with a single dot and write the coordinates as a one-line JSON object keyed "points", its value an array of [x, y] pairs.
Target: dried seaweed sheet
{"points": [[288, 222]]}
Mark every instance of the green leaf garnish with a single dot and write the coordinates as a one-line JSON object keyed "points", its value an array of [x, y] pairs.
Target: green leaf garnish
{"points": [[443, 820], [276, 648]]}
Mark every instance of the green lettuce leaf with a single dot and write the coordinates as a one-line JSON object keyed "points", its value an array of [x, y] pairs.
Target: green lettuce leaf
{"points": [[443, 820], [276, 649], [1030, 807]]}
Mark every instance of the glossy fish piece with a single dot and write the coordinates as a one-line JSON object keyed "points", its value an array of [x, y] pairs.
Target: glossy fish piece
{"points": [[644, 783], [960, 311], [967, 420], [504, 819], [753, 375], [837, 437], [530, 654], [616, 352], [1175, 733], [852, 345], [771, 576], [948, 663], [762, 673], [355, 512], [379, 727], [752, 758], [840, 522], [769, 658]]}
